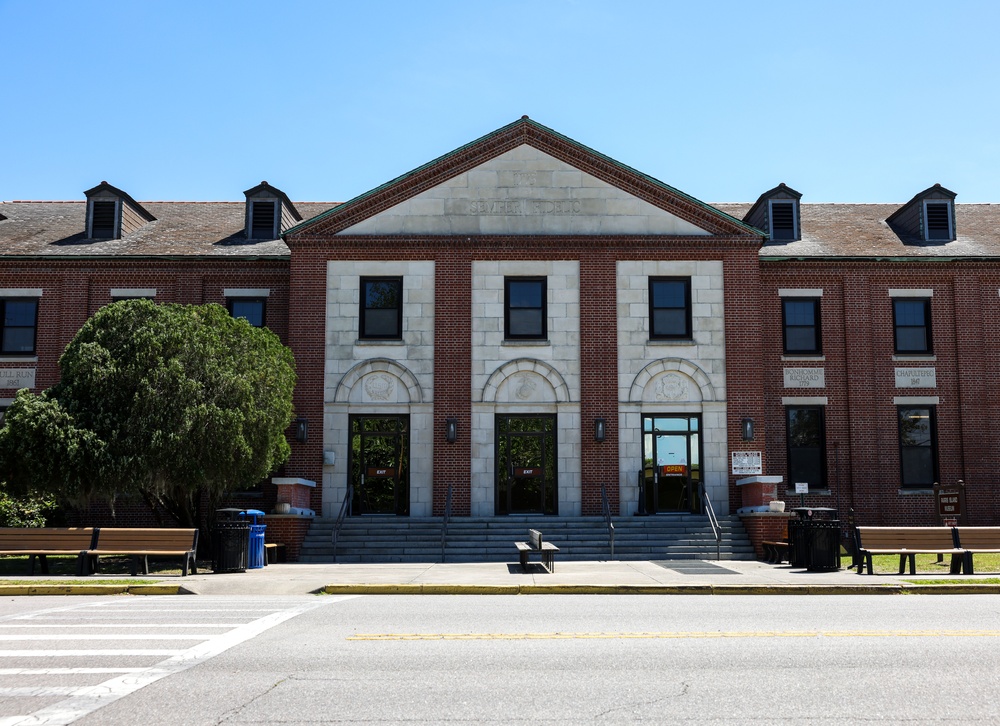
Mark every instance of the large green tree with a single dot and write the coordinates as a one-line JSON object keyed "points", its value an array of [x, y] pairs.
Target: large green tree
{"points": [[161, 401]]}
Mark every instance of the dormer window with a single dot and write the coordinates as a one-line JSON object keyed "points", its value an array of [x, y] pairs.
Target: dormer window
{"points": [[268, 212], [113, 214], [937, 221], [262, 219], [782, 220], [103, 220], [776, 212]]}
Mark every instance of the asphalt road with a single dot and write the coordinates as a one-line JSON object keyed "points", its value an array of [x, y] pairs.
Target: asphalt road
{"points": [[513, 659]]}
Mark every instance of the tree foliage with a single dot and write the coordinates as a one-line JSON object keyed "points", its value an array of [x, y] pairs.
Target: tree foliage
{"points": [[161, 401]]}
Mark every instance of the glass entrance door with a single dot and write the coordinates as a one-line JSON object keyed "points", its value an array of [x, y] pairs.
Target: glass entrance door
{"points": [[671, 463], [526, 465], [379, 464]]}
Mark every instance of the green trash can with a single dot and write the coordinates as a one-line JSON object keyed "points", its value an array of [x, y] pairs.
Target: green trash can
{"points": [[230, 541]]}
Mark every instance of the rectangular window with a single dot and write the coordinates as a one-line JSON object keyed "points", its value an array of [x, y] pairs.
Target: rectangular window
{"points": [[102, 220], [262, 217], [250, 309], [937, 221], [917, 446], [912, 322], [20, 319], [525, 308], [800, 317], [783, 220], [806, 446], [670, 308], [381, 308]]}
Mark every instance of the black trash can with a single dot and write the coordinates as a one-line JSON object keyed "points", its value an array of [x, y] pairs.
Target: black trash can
{"points": [[814, 543], [823, 545], [230, 541]]}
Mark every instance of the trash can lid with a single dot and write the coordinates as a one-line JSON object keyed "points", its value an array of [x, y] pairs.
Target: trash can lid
{"points": [[252, 513], [229, 513]]}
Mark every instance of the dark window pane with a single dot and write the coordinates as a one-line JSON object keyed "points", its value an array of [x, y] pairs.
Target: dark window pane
{"points": [[806, 465], [806, 446], [20, 313], [525, 294], [262, 222], [18, 340], [910, 313], [250, 310], [800, 313], [911, 339], [670, 322], [383, 294], [918, 466], [669, 294], [102, 224], [381, 323], [800, 339], [525, 323]]}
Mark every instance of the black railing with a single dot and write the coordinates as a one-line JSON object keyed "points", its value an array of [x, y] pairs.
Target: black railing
{"points": [[444, 522], [606, 511], [345, 509], [706, 504]]}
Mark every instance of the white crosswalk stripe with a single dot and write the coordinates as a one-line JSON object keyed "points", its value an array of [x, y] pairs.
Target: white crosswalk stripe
{"points": [[26, 653]]}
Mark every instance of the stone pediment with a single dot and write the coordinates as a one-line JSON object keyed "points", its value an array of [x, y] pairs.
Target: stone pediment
{"points": [[523, 179], [524, 191]]}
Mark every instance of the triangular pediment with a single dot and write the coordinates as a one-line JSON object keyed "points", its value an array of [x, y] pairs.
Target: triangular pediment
{"points": [[524, 179]]}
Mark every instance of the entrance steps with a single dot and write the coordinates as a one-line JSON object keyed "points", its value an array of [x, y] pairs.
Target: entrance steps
{"points": [[491, 539]]}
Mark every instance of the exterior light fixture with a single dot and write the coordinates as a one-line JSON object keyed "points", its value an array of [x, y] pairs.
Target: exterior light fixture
{"points": [[301, 430], [600, 429], [747, 426], [451, 430]]}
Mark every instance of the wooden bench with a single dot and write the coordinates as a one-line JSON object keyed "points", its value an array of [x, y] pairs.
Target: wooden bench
{"points": [[907, 542], [776, 551], [140, 545], [536, 545], [976, 539], [40, 542]]}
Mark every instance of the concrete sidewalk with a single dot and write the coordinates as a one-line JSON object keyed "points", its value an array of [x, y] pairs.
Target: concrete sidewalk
{"points": [[616, 577]]}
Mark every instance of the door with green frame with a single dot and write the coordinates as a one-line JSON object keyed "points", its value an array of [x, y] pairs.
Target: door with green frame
{"points": [[527, 476], [379, 464], [672, 457]]}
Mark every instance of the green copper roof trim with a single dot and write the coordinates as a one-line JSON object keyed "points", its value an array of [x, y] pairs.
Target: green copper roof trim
{"points": [[652, 180]]}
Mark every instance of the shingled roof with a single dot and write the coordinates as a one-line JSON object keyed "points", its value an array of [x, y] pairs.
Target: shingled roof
{"points": [[861, 231], [180, 229]]}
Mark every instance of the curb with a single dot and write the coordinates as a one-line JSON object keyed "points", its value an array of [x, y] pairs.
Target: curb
{"points": [[887, 589], [89, 590]]}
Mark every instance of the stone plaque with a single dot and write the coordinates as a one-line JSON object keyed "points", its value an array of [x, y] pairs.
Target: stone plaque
{"points": [[747, 463], [916, 378], [805, 378], [17, 378]]}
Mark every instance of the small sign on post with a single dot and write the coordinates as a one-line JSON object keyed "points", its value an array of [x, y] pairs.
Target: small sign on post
{"points": [[802, 488], [950, 502]]}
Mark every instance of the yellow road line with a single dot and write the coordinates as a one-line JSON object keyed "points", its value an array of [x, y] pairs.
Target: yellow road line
{"points": [[683, 635]]}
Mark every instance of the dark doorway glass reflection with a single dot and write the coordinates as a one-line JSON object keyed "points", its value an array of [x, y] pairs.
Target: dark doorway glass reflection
{"points": [[526, 465], [379, 464]]}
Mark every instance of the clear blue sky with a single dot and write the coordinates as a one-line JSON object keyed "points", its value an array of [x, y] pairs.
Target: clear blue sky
{"points": [[199, 100]]}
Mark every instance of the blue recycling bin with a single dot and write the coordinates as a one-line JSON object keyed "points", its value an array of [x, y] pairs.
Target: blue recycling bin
{"points": [[255, 554]]}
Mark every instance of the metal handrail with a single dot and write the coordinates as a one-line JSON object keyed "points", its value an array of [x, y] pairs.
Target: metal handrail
{"points": [[444, 523], [706, 504], [341, 516], [606, 511]]}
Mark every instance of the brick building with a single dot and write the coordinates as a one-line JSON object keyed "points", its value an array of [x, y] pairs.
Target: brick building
{"points": [[524, 321]]}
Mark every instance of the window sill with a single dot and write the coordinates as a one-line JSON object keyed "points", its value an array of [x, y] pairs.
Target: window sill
{"points": [[670, 341], [926, 357], [527, 342], [11, 358], [908, 492], [374, 341], [815, 357]]}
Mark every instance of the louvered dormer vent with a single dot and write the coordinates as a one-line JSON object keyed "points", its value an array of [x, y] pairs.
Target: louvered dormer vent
{"points": [[103, 223], [938, 222], [782, 220], [262, 222]]}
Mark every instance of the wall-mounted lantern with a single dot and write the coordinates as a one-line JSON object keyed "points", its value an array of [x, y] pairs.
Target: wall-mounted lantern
{"points": [[747, 426], [600, 430], [451, 430], [301, 430]]}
